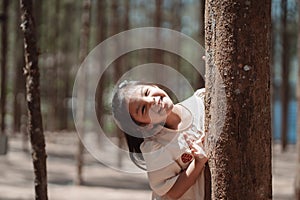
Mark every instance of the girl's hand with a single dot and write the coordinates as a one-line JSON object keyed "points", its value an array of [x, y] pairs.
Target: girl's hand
{"points": [[199, 155], [196, 149]]}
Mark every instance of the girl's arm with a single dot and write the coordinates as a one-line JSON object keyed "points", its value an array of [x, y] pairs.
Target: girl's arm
{"points": [[187, 178]]}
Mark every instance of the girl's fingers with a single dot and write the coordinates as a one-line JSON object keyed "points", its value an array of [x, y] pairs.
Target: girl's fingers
{"points": [[188, 140]]}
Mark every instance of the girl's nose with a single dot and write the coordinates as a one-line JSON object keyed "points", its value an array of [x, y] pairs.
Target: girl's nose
{"points": [[156, 100], [152, 100]]}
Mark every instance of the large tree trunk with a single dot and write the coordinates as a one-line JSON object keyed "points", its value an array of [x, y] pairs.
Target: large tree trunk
{"points": [[285, 75], [297, 180], [35, 125], [84, 48], [238, 120], [4, 40]]}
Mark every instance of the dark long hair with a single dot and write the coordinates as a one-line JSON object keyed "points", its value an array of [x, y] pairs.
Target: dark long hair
{"points": [[126, 123]]}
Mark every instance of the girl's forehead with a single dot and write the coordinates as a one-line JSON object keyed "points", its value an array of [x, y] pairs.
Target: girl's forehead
{"points": [[136, 90], [133, 89], [132, 92]]}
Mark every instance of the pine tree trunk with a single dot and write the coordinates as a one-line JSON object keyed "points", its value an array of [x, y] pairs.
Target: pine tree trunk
{"points": [[35, 125], [200, 80], [101, 21], [127, 10], [118, 70], [84, 41], [285, 75], [4, 40], [238, 121], [68, 59], [201, 22], [158, 54], [297, 179], [101, 33], [19, 81]]}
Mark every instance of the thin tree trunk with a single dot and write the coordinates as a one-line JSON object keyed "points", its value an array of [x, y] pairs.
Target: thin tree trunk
{"points": [[62, 70], [35, 124], [57, 103], [201, 22], [127, 10], [19, 92], [176, 25], [4, 40], [84, 41], [101, 21], [200, 80], [158, 54], [285, 75], [19, 81], [297, 179], [238, 120], [118, 70], [101, 33], [68, 60]]}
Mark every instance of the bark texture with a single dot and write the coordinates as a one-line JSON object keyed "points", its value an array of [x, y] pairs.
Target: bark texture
{"points": [[238, 119], [35, 125]]}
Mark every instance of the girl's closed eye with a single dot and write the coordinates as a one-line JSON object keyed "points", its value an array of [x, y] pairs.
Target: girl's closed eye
{"points": [[147, 92]]}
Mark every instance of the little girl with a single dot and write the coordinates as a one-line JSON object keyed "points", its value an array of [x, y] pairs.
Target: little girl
{"points": [[167, 138]]}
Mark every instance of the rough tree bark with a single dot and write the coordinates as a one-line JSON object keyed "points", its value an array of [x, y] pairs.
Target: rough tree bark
{"points": [[84, 41], [238, 121], [35, 125]]}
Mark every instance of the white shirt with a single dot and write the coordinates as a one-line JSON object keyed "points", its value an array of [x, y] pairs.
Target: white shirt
{"points": [[167, 153]]}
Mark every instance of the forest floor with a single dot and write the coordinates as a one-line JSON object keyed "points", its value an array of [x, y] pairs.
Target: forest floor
{"points": [[101, 182]]}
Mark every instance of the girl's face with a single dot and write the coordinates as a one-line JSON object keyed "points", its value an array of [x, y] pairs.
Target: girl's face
{"points": [[149, 104]]}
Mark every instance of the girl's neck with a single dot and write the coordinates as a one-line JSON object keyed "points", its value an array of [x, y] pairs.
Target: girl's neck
{"points": [[173, 119]]}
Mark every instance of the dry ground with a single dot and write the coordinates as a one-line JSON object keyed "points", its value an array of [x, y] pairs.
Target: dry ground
{"points": [[101, 183]]}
